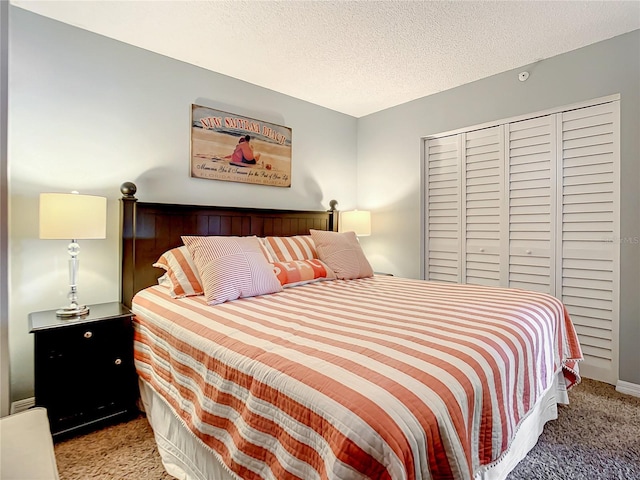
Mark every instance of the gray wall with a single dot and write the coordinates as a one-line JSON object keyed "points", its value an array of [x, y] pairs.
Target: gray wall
{"points": [[88, 113], [4, 197], [389, 157]]}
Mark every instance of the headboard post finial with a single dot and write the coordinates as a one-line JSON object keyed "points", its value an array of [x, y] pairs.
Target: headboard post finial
{"points": [[333, 216], [128, 190]]}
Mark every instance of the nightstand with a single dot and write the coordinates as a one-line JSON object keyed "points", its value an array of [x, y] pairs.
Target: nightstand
{"points": [[84, 371]]}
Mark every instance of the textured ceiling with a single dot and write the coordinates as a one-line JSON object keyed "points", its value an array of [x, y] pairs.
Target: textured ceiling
{"points": [[355, 57]]}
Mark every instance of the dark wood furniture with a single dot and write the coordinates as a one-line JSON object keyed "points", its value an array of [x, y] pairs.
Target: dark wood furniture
{"points": [[84, 372], [150, 229]]}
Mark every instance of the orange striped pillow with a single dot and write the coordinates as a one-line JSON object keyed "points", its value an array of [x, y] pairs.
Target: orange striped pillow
{"points": [[342, 253], [182, 275], [264, 246], [232, 267], [287, 249], [299, 272]]}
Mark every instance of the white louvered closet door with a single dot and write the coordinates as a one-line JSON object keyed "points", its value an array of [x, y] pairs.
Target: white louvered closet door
{"points": [[589, 245], [482, 205], [534, 204], [532, 195], [443, 209]]}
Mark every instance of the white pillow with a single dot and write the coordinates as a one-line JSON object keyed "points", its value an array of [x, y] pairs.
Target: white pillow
{"points": [[231, 267]]}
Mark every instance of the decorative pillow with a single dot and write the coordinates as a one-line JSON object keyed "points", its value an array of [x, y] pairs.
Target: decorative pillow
{"points": [[264, 246], [164, 281], [182, 275], [342, 253], [299, 272], [231, 267], [286, 249]]}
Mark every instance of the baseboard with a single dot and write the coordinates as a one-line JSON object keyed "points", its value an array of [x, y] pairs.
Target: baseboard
{"points": [[628, 388], [22, 405]]}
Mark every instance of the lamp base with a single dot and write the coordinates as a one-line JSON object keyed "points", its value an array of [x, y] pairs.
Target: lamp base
{"points": [[77, 311]]}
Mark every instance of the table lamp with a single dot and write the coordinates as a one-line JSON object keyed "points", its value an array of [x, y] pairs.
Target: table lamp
{"points": [[358, 221], [71, 216]]}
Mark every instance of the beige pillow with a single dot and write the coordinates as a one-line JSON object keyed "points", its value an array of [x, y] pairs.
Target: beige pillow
{"points": [[231, 267], [342, 253]]}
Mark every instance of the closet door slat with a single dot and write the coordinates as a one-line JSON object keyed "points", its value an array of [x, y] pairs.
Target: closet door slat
{"points": [[531, 162], [589, 233], [483, 156], [442, 195]]}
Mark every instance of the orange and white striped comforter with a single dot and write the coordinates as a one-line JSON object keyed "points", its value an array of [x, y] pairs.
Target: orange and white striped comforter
{"points": [[382, 378]]}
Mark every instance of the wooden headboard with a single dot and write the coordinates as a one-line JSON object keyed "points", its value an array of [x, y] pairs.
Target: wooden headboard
{"points": [[150, 229]]}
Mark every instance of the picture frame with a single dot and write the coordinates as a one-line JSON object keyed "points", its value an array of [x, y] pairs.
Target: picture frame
{"points": [[236, 148]]}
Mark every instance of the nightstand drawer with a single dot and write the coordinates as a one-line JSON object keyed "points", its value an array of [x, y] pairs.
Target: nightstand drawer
{"points": [[98, 343]]}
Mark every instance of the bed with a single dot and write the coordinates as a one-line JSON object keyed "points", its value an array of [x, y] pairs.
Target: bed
{"points": [[376, 377]]}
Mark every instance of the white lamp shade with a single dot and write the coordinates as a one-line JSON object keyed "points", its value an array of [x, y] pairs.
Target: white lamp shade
{"points": [[72, 216], [358, 221]]}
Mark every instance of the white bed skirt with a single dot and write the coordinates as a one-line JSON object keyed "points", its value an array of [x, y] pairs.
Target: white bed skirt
{"points": [[185, 457]]}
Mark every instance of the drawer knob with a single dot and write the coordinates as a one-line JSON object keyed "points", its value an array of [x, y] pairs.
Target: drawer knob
{"points": [[481, 250], [118, 361], [88, 334], [528, 252]]}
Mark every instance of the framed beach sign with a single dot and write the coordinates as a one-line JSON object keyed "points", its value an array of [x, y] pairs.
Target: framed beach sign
{"points": [[234, 148]]}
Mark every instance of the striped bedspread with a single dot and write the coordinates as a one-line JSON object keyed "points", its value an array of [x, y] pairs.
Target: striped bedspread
{"points": [[381, 378]]}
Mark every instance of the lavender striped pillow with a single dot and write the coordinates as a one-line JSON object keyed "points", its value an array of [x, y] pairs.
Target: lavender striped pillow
{"points": [[231, 267], [342, 253]]}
